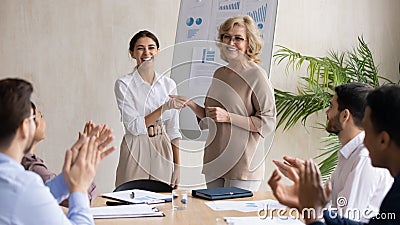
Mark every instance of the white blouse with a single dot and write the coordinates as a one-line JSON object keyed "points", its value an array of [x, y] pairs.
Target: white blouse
{"points": [[137, 98]]}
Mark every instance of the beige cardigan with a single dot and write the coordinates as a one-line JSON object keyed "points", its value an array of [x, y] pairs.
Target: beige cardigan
{"points": [[230, 151]]}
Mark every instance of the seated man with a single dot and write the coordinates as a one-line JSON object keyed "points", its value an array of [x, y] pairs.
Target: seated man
{"points": [[33, 163], [24, 197], [356, 184], [382, 138]]}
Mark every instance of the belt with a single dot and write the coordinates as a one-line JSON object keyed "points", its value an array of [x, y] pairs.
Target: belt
{"points": [[156, 129]]}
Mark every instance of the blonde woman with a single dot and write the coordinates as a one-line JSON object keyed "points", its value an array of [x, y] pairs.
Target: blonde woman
{"points": [[239, 109]]}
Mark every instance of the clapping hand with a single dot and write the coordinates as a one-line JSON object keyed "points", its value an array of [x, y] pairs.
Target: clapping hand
{"points": [[311, 192], [103, 135], [80, 170], [286, 194], [289, 167], [83, 158]]}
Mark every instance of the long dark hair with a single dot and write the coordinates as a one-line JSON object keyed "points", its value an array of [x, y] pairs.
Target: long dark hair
{"points": [[140, 34]]}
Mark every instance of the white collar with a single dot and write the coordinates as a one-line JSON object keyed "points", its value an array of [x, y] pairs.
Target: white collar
{"points": [[139, 80], [352, 145]]}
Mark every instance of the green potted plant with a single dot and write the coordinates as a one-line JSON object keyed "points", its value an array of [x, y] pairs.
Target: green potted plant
{"points": [[316, 89]]}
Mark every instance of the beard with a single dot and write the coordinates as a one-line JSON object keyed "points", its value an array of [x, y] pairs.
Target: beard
{"points": [[334, 126]]}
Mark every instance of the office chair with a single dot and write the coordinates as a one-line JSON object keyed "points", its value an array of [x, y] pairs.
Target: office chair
{"points": [[145, 184]]}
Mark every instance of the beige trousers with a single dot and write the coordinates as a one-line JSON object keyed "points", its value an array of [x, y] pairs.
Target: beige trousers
{"points": [[144, 157]]}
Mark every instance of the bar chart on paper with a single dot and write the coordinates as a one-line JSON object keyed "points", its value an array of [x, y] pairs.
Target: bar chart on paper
{"points": [[204, 63], [229, 6], [259, 16], [208, 55]]}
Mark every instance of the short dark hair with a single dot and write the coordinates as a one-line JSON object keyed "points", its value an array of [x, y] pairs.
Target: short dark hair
{"points": [[384, 103], [140, 34], [33, 106], [15, 106], [352, 96]]}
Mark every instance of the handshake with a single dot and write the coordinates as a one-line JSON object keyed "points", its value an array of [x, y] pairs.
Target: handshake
{"points": [[176, 102]]}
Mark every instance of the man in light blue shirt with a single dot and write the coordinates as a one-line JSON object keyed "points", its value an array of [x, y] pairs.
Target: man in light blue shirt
{"points": [[24, 197]]}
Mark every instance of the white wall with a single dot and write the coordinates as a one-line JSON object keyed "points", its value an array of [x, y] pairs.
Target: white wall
{"points": [[73, 51]]}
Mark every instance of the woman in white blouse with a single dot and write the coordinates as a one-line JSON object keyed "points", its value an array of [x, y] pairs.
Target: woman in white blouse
{"points": [[150, 147]]}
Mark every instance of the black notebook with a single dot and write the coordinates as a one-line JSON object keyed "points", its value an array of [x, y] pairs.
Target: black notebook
{"points": [[221, 193]]}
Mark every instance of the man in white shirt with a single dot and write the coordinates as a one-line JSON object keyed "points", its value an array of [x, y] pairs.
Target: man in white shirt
{"points": [[357, 186]]}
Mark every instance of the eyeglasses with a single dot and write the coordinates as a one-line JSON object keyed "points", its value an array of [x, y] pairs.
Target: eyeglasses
{"points": [[226, 38], [33, 117], [40, 114]]}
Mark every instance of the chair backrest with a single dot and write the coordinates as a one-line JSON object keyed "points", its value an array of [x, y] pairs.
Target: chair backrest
{"points": [[148, 185]]}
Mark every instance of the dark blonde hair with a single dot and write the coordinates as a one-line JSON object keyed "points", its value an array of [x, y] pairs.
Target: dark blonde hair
{"points": [[252, 32]]}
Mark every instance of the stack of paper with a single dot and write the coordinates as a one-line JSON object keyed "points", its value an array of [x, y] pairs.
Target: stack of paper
{"points": [[245, 206], [141, 210], [137, 196]]}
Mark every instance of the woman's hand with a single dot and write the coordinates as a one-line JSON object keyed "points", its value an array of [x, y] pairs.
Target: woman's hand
{"points": [[182, 100], [218, 114], [173, 103], [175, 177]]}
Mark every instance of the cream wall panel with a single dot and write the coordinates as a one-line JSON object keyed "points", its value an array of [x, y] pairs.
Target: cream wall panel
{"points": [[73, 51]]}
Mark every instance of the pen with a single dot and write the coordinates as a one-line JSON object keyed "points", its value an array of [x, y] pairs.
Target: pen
{"points": [[157, 201], [112, 203]]}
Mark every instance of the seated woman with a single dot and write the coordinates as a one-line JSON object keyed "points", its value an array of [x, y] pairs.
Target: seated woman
{"points": [[35, 164]]}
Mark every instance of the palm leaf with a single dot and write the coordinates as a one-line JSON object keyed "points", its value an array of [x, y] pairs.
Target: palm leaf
{"points": [[316, 89], [292, 108], [329, 155]]}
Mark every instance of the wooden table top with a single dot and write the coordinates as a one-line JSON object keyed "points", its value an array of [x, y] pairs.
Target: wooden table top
{"points": [[197, 213]]}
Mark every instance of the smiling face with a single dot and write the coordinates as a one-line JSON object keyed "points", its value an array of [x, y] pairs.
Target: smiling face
{"points": [[145, 50], [235, 43], [31, 132], [333, 115], [40, 132]]}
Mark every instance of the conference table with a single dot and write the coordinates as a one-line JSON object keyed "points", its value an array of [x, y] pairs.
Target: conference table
{"points": [[197, 213]]}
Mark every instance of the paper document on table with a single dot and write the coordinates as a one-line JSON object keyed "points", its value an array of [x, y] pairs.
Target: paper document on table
{"points": [[137, 196], [245, 206], [123, 211], [258, 221]]}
